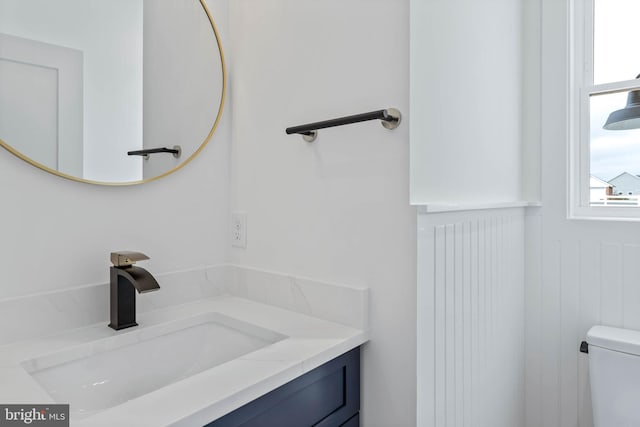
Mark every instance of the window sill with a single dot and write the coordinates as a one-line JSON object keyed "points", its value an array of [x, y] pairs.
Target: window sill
{"points": [[628, 214]]}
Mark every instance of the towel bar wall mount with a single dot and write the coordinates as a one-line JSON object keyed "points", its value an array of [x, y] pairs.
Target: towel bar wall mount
{"points": [[390, 119]]}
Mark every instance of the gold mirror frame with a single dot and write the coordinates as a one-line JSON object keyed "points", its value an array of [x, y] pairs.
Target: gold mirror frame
{"points": [[32, 162]]}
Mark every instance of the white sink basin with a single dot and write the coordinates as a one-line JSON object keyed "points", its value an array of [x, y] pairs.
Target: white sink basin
{"points": [[105, 373]]}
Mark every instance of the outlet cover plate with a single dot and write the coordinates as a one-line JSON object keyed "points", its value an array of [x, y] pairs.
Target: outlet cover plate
{"points": [[239, 229]]}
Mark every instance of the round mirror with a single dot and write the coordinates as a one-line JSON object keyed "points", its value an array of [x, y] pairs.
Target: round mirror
{"points": [[111, 92]]}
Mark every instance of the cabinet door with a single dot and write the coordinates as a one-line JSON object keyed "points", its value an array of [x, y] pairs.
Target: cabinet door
{"points": [[328, 396], [353, 421]]}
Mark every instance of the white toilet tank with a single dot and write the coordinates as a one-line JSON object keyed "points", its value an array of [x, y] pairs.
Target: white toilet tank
{"points": [[614, 369]]}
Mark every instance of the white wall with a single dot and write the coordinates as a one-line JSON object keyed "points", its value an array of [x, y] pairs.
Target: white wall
{"points": [[531, 109], [336, 210], [57, 234], [466, 101], [110, 36], [180, 54], [581, 272]]}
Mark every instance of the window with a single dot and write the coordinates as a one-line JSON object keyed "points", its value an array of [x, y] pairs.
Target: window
{"points": [[605, 170]]}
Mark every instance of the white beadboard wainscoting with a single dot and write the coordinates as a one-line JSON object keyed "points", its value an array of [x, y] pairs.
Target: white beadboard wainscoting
{"points": [[589, 275], [471, 318]]}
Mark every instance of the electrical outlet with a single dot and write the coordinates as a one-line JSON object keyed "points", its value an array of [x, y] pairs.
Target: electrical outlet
{"points": [[239, 229]]}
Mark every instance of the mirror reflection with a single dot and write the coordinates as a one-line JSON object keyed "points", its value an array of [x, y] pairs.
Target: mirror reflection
{"points": [[86, 84]]}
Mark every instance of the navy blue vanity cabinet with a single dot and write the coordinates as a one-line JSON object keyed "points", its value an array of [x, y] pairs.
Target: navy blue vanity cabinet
{"points": [[328, 396]]}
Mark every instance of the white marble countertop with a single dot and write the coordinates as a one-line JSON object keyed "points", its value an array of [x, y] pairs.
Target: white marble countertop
{"points": [[203, 397]]}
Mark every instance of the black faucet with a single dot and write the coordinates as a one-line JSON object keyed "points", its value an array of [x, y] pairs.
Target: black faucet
{"points": [[125, 280]]}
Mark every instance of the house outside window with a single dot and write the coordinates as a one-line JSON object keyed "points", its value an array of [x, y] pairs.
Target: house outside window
{"points": [[605, 148]]}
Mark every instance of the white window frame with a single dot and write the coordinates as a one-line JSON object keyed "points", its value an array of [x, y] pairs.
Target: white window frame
{"points": [[581, 88]]}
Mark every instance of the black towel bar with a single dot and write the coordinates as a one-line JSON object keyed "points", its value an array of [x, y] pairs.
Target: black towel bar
{"points": [[390, 118], [176, 151]]}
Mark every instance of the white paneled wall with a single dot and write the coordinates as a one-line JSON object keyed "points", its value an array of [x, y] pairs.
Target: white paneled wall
{"points": [[590, 276], [579, 272], [471, 319]]}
